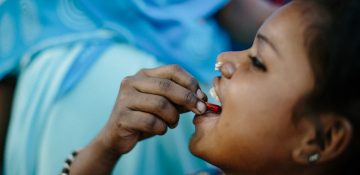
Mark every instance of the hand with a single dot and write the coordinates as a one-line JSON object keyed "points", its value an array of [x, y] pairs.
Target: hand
{"points": [[147, 104]]}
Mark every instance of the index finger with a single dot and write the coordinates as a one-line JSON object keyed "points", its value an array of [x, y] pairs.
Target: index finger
{"points": [[176, 74], [172, 91]]}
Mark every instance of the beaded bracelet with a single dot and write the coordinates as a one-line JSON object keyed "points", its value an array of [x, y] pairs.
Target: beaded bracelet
{"points": [[68, 162]]}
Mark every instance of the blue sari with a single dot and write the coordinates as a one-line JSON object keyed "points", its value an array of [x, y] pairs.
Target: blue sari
{"points": [[71, 56]]}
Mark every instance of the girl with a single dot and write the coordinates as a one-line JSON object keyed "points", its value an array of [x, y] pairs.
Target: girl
{"points": [[290, 103]]}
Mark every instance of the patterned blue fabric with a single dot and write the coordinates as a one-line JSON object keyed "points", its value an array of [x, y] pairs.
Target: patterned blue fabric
{"points": [[71, 56], [165, 28]]}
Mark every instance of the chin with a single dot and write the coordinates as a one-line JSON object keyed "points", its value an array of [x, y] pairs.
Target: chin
{"points": [[196, 148], [193, 145], [201, 150]]}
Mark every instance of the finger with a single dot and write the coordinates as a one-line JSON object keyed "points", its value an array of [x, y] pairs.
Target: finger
{"points": [[145, 123], [178, 75], [172, 91], [157, 105]]}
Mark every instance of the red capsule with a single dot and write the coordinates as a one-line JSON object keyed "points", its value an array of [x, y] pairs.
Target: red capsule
{"points": [[213, 107]]}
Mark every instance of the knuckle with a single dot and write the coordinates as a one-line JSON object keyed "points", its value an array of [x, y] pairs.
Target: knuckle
{"points": [[126, 81], [125, 97], [164, 84], [190, 98], [120, 119], [176, 68], [142, 71], [162, 104], [165, 109], [120, 124], [193, 83], [150, 123]]}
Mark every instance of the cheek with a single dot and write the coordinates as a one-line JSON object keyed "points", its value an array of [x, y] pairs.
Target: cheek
{"points": [[256, 119], [260, 100], [257, 112]]}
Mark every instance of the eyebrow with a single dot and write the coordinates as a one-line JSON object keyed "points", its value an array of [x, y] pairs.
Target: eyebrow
{"points": [[263, 38]]}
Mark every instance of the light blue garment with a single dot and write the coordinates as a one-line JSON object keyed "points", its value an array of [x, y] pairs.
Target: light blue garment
{"points": [[72, 59], [175, 31], [46, 128]]}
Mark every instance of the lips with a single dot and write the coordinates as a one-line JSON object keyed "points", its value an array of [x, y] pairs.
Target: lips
{"points": [[206, 117], [210, 115]]}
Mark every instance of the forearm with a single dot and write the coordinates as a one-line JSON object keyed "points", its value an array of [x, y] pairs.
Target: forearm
{"points": [[95, 160], [242, 18]]}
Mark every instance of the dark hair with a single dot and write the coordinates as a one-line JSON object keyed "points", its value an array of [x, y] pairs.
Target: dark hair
{"points": [[333, 43]]}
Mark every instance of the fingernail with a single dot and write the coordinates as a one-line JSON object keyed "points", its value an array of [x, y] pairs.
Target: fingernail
{"points": [[200, 106], [201, 95]]}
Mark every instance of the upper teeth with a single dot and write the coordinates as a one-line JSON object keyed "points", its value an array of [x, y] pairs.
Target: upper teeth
{"points": [[213, 94], [218, 65]]}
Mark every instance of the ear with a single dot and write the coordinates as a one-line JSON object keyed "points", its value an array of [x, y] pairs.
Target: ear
{"points": [[323, 139]]}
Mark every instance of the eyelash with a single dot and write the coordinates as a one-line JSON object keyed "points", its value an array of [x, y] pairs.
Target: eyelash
{"points": [[257, 63]]}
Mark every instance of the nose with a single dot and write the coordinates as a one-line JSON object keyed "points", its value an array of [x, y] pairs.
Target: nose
{"points": [[230, 62]]}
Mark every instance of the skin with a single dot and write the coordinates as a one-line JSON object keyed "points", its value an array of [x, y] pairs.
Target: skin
{"points": [[256, 132]]}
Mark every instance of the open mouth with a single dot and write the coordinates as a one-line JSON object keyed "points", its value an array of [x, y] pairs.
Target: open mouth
{"points": [[207, 116], [214, 93], [212, 110]]}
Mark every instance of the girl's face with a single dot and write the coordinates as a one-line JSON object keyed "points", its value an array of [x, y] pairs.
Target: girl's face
{"points": [[259, 90]]}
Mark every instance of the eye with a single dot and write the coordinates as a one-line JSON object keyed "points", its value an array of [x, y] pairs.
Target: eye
{"points": [[257, 63]]}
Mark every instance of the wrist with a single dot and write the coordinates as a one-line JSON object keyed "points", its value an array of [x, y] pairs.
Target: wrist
{"points": [[93, 159], [104, 150], [115, 141]]}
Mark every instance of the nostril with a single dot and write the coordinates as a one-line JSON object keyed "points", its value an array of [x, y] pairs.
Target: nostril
{"points": [[228, 69]]}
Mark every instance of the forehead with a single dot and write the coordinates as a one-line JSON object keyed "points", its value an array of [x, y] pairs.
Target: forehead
{"points": [[286, 27]]}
